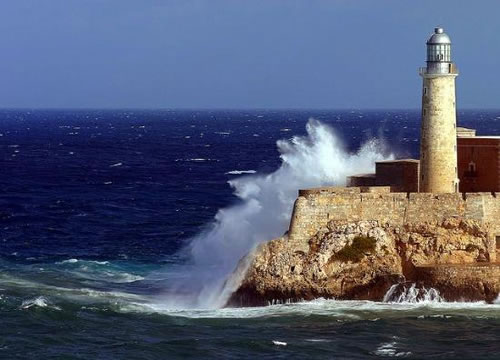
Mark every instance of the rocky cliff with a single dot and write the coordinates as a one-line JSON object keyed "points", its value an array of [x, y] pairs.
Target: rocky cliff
{"points": [[363, 259]]}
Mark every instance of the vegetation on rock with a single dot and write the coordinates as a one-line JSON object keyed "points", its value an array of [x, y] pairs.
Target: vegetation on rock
{"points": [[361, 245]]}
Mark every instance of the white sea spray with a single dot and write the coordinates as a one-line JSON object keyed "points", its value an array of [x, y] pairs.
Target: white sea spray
{"points": [[263, 212]]}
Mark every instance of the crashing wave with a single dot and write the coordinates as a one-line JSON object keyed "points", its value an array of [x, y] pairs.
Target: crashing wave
{"points": [[263, 212], [401, 293]]}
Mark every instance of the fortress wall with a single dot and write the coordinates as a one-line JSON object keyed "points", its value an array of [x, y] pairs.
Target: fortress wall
{"points": [[443, 273], [491, 212], [463, 281], [427, 207], [314, 208], [492, 216]]}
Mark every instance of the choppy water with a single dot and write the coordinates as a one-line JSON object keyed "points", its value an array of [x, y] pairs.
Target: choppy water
{"points": [[95, 206]]}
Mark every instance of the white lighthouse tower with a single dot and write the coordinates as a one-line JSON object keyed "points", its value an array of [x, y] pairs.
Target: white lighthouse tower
{"points": [[438, 143]]}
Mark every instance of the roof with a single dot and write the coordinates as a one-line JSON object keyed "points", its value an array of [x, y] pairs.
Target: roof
{"points": [[363, 175], [398, 161], [487, 137], [465, 132], [439, 37]]}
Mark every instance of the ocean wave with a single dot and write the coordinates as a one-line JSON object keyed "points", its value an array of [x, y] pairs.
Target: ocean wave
{"points": [[399, 293], [99, 271], [74, 261], [343, 310], [75, 294], [40, 302]]}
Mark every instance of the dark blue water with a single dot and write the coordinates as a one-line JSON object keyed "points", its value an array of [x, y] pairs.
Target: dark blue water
{"points": [[95, 206]]}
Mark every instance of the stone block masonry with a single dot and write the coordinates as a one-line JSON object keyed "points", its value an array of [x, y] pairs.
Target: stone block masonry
{"points": [[314, 208]]}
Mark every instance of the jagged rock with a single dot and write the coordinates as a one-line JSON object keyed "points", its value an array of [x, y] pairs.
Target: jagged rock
{"points": [[361, 260]]}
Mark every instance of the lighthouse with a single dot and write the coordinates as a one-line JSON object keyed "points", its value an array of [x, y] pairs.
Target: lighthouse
{"points": [[438, 139]]}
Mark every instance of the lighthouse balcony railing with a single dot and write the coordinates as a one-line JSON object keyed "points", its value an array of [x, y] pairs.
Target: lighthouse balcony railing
{"points": [[451, 69]]}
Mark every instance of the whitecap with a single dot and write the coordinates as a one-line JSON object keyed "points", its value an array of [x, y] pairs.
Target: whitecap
{"points": [[69, 261], [123, 277], [279, 343], [115, 165], [389, 350], [74, 261], [318, 340], [195, 160], [39, 301], [239, 172]]}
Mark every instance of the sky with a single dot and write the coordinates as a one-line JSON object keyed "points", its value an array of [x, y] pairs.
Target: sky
{"points": [[240, 54]]}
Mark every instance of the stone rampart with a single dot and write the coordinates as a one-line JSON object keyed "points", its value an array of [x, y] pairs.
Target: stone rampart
{"points": [[465, 281], [314, 208]]}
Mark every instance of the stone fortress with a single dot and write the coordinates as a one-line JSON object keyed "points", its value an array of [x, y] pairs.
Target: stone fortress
{"points": [[441, 211], [458, 173]]}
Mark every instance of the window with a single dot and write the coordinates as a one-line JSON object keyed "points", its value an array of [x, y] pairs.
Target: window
{"points": [[424, 112], [472, 166], [425, 91], [498, 242]]}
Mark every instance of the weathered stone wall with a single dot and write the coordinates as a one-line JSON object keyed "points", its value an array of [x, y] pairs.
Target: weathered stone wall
{"points": [[314, 208], [474, 281]]}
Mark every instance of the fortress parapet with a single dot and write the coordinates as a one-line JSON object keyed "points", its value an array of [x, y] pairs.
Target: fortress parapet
{"points": [[314, 208]]}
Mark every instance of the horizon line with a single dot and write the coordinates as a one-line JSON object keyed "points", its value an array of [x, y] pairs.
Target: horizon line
{"points": [[224, 109]]}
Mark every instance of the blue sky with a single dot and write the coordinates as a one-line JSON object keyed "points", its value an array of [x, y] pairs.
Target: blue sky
{"points": [[332, 54]]}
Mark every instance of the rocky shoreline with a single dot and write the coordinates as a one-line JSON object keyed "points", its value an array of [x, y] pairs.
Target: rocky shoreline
{"points": [[364, 259]]}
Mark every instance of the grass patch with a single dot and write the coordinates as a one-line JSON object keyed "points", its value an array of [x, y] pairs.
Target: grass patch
{"points": [[360, 246]]}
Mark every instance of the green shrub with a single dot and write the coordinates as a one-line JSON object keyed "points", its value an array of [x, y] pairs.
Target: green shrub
{"points": [[357, 250], [471, 248]]}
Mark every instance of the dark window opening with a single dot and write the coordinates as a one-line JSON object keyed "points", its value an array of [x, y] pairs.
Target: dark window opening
{"points": [[471, 170]]}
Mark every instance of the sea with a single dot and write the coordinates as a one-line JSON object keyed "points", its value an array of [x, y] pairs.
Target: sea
{"points": [[120, 231]]}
